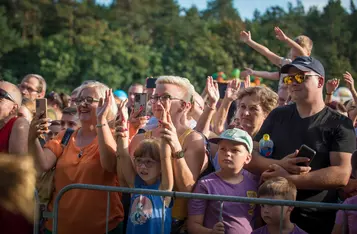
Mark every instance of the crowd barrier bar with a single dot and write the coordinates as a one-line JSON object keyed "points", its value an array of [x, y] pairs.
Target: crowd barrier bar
{"points": [[36, 213], [174, 194]]}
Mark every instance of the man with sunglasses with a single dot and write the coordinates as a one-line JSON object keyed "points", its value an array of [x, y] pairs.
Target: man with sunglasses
{"points": [[13, 130], [308, 122]]}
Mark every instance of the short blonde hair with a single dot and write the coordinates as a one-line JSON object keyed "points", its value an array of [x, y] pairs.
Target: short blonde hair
{"points": [[305, 42], [267, 97], [278, 187], [101, 88], [181, 82]]}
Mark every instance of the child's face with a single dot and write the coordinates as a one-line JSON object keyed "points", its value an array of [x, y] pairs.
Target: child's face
{"points": [[271, 214], [232, 155], [148, 169]]}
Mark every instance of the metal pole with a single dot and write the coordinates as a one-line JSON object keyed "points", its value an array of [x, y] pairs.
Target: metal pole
{"points": [[281, 220], [163, 216], [108, 212]]}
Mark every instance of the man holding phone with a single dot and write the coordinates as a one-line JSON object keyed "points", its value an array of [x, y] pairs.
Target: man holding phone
{"points": [[308, 122]]}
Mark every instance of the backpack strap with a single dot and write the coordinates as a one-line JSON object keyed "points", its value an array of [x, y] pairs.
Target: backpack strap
{"points": [[184, 135]]}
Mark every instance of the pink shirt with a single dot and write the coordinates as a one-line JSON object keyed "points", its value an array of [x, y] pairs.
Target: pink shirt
{"points": [[351, 215]]}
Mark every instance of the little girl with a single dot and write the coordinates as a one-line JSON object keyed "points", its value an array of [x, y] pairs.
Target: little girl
{"points": [[150, 168]]}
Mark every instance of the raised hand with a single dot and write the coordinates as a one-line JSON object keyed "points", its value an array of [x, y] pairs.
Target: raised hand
{"points": [[349, 80], [38, 127], [245, 36], [232, 90], [121, 123], [332, 85], [279, 34], [247, 81], [104, 106], [168, 131], [136, 121], [212, 92]]}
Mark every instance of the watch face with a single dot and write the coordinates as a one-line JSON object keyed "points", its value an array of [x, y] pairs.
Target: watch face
{"points": [[180, 154]]}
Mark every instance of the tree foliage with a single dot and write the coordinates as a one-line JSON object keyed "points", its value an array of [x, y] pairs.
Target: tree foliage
{"points": [[69, 41]]}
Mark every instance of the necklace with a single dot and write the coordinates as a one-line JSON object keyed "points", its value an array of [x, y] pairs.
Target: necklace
{"points": [[81, 150]]}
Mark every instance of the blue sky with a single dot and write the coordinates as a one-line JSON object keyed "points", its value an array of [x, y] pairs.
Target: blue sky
{"points": [[246, 7]]}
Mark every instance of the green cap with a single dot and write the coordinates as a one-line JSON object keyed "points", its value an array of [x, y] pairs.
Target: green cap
{"points": [[236, 135]]}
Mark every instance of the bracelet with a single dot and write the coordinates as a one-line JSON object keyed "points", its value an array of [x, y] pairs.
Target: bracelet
{"points": [[100, 125], [328, 94]]}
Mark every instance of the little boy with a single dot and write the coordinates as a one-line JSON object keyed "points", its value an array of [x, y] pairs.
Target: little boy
{"points": [[235, 148], [277, 188]]}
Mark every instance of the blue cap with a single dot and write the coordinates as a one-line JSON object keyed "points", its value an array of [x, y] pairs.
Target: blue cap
{"points": [[236, 135], [304, 63], [120, 94]]}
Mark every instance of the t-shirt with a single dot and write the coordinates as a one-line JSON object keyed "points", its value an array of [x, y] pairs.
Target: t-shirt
{"points": [[83, 211], [351, 215], [324, 132], [264, 230], [237, 217], [146, 211]]}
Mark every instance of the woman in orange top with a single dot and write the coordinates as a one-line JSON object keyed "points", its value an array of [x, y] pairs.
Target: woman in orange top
{"points": [[88, 158]]}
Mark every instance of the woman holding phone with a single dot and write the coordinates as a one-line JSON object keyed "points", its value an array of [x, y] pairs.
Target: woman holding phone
{"points": [[88, 158]]}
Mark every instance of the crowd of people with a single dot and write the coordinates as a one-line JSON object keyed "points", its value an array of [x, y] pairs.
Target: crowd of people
{"points": [[184, 141]]}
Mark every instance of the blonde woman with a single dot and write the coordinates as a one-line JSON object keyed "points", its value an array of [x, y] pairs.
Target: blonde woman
{"points": [[88, 158]]}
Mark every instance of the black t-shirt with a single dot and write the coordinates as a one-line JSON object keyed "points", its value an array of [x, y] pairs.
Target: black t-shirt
{"points": [[324, 132]]}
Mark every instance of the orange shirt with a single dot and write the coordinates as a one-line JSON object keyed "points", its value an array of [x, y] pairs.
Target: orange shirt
{"points": [[83, 211]]}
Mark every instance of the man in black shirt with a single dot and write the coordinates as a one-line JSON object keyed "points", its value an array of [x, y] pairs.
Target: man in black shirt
{"points": [[308, 122]]}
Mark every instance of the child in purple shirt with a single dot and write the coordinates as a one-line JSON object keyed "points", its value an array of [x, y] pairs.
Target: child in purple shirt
{"points": [[277, 188], [351, 218], [235, 147]]}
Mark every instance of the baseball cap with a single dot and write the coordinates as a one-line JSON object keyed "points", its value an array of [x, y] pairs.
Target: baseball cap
{"points": [[305, 64], [120, 94], [237, 135]]}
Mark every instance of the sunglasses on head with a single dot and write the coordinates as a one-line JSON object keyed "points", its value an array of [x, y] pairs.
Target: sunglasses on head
{"points": [[6, 95], [299, 78]]}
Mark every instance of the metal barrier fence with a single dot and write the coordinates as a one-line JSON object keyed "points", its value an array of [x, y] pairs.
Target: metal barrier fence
{"points": [[109, 189]]}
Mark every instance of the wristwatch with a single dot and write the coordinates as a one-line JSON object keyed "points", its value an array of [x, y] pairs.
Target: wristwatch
{"points": [[179, 154]]}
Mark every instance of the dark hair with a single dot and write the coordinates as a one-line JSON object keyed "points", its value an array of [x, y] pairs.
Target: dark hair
{"points": [[70, 111], [61, 99]]}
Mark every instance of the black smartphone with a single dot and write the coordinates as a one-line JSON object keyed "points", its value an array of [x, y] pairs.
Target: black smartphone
{"points": [[151, 83], [307, 152], [140, 101], [222, 89]]}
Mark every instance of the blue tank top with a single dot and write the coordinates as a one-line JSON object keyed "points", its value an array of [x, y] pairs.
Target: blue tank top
{"points": [[146, 211]]}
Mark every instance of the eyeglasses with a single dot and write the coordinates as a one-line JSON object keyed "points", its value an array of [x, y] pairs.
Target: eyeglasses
{"points": [[6, 95], [299, 78], [29, 89], [86, 100], [148, 163], [163, 98]]}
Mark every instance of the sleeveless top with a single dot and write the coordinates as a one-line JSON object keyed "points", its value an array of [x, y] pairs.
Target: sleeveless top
{"points": [[146, 211], [179, 210], [5, 133]]}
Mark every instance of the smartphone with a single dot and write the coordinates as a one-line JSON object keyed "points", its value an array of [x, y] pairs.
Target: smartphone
{"points": [[307, 152], [222, 89], [140, 100], [41, 107], [151, 83]]}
